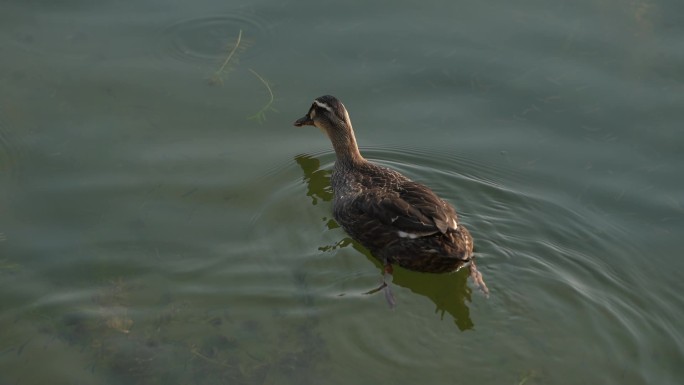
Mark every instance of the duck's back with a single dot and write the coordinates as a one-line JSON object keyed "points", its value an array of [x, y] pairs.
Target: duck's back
{"points": [[399, 220]]}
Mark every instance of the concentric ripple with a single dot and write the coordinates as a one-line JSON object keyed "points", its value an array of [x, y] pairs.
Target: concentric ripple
{"points": [[527, 245], [210, 38]]}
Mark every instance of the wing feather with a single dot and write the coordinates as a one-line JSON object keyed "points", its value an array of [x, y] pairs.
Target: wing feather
{"points": [[412, 208]]}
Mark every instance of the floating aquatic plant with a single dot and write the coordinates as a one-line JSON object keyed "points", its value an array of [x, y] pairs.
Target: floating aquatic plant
{"points": [[113, 306], [7, 266], [230, 60], [528, 376], [217, 77], [260, 116]]}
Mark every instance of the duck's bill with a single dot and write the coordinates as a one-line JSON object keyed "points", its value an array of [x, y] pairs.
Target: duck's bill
{"points": [[304, 121]]}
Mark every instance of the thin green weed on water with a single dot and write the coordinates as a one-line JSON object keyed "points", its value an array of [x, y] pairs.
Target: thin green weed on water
{"points": [[260, 116], [217, 76], [228, 64]]}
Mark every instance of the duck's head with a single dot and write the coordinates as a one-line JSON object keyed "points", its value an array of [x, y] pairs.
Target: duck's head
{"points": [[328, 114]]}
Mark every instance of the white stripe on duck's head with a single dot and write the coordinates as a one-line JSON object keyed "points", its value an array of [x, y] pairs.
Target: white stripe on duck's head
{"points": [[326, 112]]}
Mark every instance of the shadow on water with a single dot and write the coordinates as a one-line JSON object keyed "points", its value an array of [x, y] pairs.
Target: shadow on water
{"points": [[449, 292]]}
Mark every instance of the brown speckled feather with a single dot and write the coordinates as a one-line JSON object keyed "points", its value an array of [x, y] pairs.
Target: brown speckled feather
{"points": [[376, 206]]}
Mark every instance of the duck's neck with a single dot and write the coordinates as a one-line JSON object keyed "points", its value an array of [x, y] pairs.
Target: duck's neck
{"points": [[346, 149]]}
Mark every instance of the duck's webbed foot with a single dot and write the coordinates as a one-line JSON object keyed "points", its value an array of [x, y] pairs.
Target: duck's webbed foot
{"points": [[477, 278], [384, 286]]}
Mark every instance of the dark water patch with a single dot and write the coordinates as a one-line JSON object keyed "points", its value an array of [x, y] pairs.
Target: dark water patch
{"points": [[11, 146], [53, 37]]}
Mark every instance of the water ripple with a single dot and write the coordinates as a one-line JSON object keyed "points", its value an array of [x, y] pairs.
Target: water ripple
{"points": [[209, 38], [533, 261]]}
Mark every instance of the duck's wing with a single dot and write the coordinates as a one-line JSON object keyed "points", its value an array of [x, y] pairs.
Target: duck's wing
{"points": [[412, 209]]}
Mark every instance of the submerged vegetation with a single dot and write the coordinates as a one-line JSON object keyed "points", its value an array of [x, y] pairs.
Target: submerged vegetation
{"points": [[175, 342], [217, 76], [7, 266], [260, 116], [228, 64]]}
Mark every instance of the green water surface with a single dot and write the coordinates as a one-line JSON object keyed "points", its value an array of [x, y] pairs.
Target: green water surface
{"points": [[162, 222]]}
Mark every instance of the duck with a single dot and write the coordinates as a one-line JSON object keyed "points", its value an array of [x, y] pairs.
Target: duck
{"points": [[397, 220]]}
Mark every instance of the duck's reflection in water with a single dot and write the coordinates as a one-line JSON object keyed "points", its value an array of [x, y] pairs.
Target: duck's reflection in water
{"points": [[449, 292], [317, 180]]}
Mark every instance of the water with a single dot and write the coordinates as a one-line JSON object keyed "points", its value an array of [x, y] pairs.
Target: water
{"points": [[161, 221]]}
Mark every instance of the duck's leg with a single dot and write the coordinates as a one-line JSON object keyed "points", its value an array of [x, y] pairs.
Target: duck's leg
{"points": [[389, 296], [477, 278], [384, 286]]}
